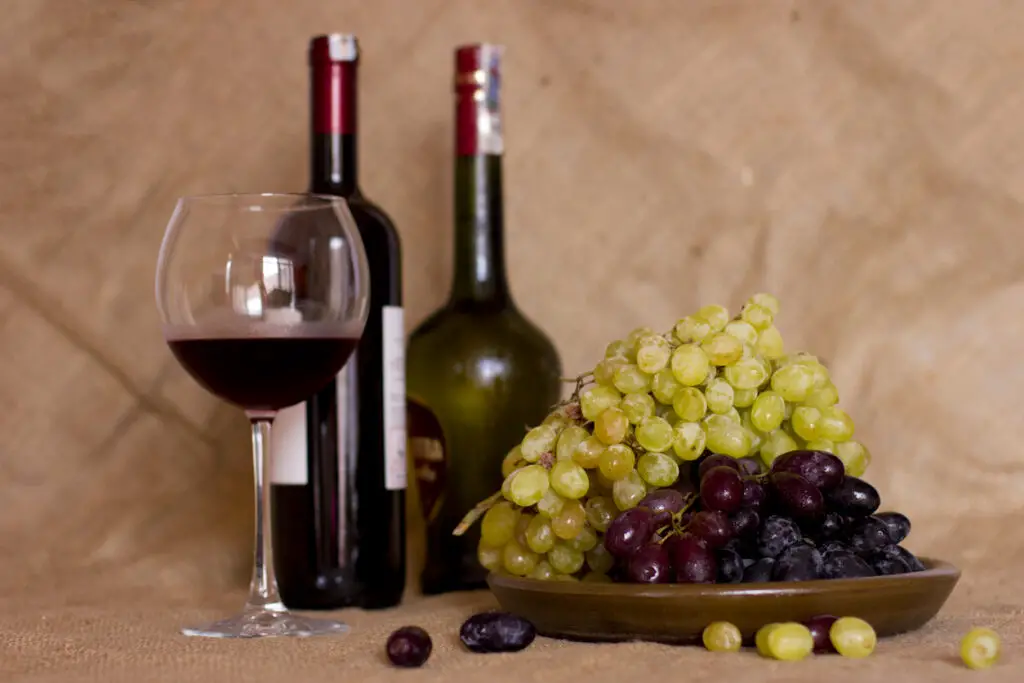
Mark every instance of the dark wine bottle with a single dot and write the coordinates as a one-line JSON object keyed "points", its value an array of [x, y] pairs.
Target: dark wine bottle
{"points": [[478, 371], [338, 460]]}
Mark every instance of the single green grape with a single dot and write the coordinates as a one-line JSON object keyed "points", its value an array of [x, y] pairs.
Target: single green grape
{"points": [[631, 379], [558, 420], [716, 316], [742, 330], [793, 382], [821, 445], [588, 453], [542, 571], [568, 522], [628, 491], [980, 648], [789, 642], [744, 398], [775, 444], [855, 456], [690, 329], [604, 371], [690, 404], [853, 637], [499, 524], [664, 386], [550, 504], [518, 560], [690, 439], [618, 348], [805, 422], [748, 373], [528, 485], [757, 315], [569, 480], [599, 559], [601, 511], [835, 425], [768, 301], [564, 559], [539, 440], [594, 577], [513, 461], [756, 435], [722, 636], [769, 343], [571, 437], [638, 334], [761, 639], [726, 436], [722, 349], [611, 426], [720, 396], [539, 536], [489, 557], [690, 365], [595, 400], [820, 375], [822, 397], [768, 411], [637, 407], [657, 469], [585, 540], [652, 353], [654, 434], [617, 461]]}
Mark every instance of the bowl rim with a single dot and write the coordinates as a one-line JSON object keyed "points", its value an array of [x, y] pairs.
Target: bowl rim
{"points": [[935, 569]]}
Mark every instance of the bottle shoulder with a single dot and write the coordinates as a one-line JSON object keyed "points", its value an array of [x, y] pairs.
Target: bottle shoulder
{"points": [[369, 215], [453, 331]]}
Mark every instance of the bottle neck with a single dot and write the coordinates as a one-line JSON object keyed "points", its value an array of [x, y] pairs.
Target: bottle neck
{"points": [[479, 211], [479, 232], [333, 161]]}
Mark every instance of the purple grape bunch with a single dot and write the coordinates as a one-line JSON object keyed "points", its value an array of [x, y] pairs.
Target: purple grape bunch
{"points": [[803, 519]]}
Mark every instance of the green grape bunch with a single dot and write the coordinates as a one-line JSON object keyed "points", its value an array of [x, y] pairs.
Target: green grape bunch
{"points": [[654, 404]]}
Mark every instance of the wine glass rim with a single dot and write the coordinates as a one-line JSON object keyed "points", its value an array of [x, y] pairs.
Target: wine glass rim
{"points": [[265, 201]]}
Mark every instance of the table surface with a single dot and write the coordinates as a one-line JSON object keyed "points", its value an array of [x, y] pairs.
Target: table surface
{"points": [[108, 633]]}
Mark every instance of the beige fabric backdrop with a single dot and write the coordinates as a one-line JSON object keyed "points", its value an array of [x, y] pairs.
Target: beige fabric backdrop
{"points": [[862, 160]]}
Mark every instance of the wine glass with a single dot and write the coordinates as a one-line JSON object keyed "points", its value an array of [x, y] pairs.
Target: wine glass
{"points": [[263, 298]]}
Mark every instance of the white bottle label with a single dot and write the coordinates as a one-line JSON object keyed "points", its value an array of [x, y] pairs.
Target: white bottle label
{"points": [[393, 342], [288, 447]]}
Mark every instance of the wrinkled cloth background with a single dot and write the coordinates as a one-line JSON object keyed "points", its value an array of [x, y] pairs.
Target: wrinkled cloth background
{"points": [[863, 161]]}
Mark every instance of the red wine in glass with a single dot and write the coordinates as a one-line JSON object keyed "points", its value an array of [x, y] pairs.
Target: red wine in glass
{"points": [[262, 373]]}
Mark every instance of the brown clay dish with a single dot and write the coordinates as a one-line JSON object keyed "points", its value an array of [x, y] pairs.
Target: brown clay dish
{"points": [[678, 613]]}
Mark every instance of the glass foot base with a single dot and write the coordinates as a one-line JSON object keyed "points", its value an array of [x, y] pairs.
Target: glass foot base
{"points": [[265, 623]]}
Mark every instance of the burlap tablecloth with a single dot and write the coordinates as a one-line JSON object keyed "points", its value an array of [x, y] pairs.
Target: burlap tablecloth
{"points": [[861, 160]]}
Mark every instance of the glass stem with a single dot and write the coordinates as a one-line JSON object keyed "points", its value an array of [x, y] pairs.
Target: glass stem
{"points": [[263, 593]]}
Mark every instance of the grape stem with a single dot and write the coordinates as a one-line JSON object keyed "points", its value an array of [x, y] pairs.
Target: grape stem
{"points": [[476, 513]]}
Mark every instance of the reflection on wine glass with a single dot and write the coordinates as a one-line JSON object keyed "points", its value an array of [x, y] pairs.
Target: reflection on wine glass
{"points": [[263, 298]]}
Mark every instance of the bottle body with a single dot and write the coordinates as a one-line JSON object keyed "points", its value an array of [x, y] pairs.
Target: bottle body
{"points": [[478, 370], [339, 474]]}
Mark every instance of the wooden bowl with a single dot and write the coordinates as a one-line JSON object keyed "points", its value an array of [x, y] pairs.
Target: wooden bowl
{"points": [[678, 613]]}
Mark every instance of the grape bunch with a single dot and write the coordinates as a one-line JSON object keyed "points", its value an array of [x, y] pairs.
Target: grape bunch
{"points": [[704, 454]]}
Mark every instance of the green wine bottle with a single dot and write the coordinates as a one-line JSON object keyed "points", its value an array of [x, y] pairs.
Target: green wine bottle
{"points": [[478, 372]]}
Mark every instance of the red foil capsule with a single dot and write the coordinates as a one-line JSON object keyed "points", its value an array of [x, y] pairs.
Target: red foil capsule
{"points": [[477, 99], [332, 59]]}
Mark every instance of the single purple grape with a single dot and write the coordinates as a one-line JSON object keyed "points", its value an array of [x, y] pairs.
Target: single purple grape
{"points": [[629, 532], [409, 647], [721, 488]]}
